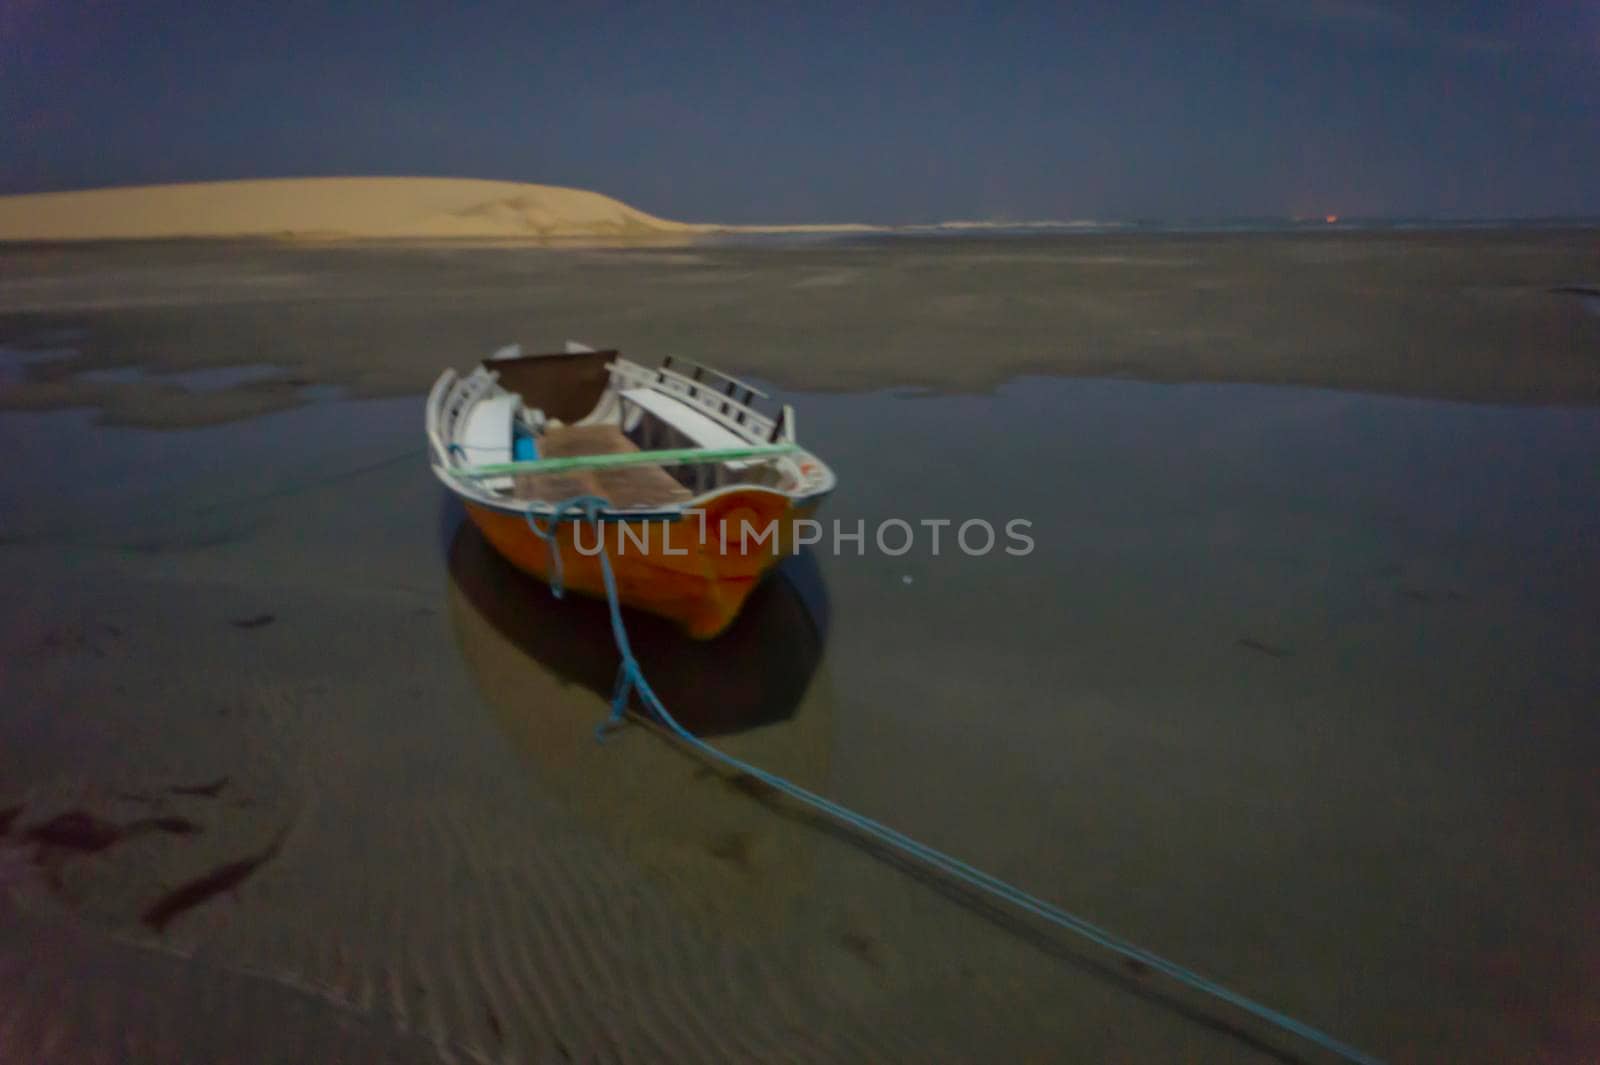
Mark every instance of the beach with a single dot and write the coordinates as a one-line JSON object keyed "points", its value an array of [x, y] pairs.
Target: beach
{"points": [[1454, 315], [1297, 688]]}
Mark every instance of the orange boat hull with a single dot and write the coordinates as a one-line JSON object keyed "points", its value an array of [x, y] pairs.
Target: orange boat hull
{"points": [[697, 570]]}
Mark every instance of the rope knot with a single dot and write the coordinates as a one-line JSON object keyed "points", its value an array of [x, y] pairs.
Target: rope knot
{"points": [[578, 508]]}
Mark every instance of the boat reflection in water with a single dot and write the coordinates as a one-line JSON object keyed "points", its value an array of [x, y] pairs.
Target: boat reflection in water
{"points": [[546, 666]]}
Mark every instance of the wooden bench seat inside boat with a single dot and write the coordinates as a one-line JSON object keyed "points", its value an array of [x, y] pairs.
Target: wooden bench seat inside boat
{"points": [[632, 486]]}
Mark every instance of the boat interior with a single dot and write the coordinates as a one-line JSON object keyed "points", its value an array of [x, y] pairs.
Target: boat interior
{"points": [[585, 402]]}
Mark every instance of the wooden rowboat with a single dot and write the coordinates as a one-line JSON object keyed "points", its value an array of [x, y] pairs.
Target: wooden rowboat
{"points": [[702, 490]]}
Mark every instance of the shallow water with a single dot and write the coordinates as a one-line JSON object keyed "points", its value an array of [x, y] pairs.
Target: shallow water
{"points": [[1296, 688], [1480, 315], [209, 379], [15, 362]]}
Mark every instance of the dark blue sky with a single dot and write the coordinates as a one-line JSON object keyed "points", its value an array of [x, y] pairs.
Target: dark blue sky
{"points": [[837, 112]]}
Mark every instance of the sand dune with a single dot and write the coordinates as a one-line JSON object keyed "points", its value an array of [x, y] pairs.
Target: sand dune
{"points": [[363, 208], [349, 208]]}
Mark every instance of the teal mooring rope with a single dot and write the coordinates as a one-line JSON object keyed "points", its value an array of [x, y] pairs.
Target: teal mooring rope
{"points": [[631, 681]]}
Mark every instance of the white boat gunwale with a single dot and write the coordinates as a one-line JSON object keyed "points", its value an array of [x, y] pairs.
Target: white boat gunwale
{"points": [[704, 396]]}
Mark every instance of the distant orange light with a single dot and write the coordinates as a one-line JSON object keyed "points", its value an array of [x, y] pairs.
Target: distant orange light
{"points": [[1330, 218]]}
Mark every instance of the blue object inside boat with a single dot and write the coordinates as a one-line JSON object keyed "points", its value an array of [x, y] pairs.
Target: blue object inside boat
{"points": [[523, 449]]}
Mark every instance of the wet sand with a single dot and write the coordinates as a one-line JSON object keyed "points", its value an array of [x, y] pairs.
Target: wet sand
{"points": [[1296, 689], [1472, 315]]}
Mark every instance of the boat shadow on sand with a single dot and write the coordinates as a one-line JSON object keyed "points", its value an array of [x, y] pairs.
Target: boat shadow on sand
{"points": [[544, 668], [754, 674]]}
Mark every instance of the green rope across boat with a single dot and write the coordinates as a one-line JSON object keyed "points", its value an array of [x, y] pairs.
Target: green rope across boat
{"points": [[678, 456]]}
